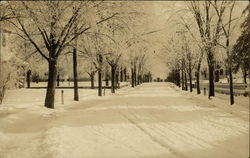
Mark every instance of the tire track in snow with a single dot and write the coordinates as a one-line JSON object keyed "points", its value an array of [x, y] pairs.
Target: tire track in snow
{"points": [[182, 134], [190, 97], [159, 142], [198, 140], [100, 133]]}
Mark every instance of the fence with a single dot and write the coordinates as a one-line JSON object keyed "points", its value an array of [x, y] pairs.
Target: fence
{"points": [[223, 88]]}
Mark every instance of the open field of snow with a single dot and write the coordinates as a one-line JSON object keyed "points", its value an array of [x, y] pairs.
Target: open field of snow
{"points": [[154, 120]]}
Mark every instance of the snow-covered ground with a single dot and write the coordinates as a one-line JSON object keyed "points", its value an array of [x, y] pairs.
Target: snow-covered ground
{"points": [[34, 98], [154, 120], [71, 84]]}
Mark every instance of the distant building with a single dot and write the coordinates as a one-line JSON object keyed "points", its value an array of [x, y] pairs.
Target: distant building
{"points": [[219, 73]]}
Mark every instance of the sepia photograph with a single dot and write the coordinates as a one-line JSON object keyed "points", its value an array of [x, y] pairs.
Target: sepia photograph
{"points": [[124, 79]]}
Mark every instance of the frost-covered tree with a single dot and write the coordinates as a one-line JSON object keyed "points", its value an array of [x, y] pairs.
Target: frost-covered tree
{"points": [[199, 53], [209, 29], [9, 73], [91, 70], [227, 26], [240, 54], [109, 40], [53, 25]]}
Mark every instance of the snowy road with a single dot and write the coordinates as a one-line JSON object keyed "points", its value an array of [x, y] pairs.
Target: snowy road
{"points": [[152, 121]]}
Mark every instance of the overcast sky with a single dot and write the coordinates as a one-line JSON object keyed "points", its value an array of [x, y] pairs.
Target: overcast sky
{"points": [[161, 17], [164, 14]]}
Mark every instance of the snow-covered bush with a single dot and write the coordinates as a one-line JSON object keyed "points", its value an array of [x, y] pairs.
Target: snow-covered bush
{"points": [[12, 75]]}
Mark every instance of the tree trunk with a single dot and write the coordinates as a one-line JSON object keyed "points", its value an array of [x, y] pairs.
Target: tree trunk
{"points": [[107, 79], [198, 80], [141, 78], [121, 74], [211, 73], [244, 76], [132, 78], [99, 82], [190, 80], [217, 76], [76, 97], [135, 75], [51, 87], [1, 95], [117, 79], [138, 79], [92, 78], [150, 77], [125, 74], [58, 80], [211, 80], [231, 85], [186, 85], [28, 78], [191, 84], [113, 79], [174, 77], [2, 92], [182, 79], [178, 77]]}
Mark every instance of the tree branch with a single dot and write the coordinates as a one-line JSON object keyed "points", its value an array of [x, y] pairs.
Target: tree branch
{"points": [[28, 36]]}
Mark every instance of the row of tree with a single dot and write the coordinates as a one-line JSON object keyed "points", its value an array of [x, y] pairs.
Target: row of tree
{"points": [[208, 34], [96, 33]]}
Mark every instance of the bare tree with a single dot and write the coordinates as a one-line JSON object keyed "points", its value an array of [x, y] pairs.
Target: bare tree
{"points": [[92, 51], [209, 30], [3, 85], [91, 71], [136, 45], [113, 62], [52, 24], [189, 64], [7, 69], [199, 54], [227, 28]]}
